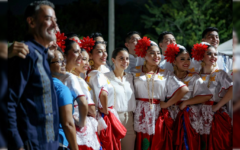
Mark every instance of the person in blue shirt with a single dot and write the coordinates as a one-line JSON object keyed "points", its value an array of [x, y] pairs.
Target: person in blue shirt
{"points": [[67, 131], [32, 102]]}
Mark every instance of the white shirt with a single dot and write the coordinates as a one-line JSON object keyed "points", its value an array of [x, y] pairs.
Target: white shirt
{"points": [[124, 90], [99, 82]]}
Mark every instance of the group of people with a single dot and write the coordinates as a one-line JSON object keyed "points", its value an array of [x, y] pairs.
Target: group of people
{"points": [[63, 93]]}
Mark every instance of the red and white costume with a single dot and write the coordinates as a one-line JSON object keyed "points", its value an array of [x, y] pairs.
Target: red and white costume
{"points": [[187, 125], [217, 129], [147, 119], [110, 128], [87, 137]]}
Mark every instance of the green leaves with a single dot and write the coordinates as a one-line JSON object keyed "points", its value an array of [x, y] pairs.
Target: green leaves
{"points": [[188, 18]]}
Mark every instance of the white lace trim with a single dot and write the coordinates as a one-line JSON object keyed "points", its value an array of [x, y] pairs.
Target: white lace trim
{"points": [[194, 118], [87, 135], [206, 118], [173, 110], [145, 118]]}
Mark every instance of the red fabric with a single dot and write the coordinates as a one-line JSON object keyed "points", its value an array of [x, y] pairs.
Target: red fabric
{"points": [[221, 132], [163, 132], [204, 141], [84, 147], [155, 101], [236, 129], [209, 103], [110, 137], [193, 138], [139, 140]]}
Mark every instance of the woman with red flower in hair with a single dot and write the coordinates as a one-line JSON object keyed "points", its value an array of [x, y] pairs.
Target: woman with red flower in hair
{"points": [[152, 85], [217, 128], [186, 115], [109, 126]]}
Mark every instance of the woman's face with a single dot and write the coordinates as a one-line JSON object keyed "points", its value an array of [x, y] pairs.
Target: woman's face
{"points": [[121, 62], [210, 56], [99, 55], [182, 61], [153, 56], [57, 65], [83, 67], [74, 56]]}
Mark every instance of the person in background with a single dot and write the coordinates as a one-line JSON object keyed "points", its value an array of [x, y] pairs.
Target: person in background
{"points": [[130, 42]]}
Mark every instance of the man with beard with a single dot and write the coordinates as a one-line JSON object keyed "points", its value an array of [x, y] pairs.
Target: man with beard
{"points": [[211, 36], [32, 105]]}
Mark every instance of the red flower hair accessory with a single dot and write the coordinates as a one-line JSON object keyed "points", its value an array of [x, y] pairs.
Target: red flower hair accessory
{"points": [[60, 40], [171, 52], [78, 42], [199, 50], [142, 46], [87, 43]]}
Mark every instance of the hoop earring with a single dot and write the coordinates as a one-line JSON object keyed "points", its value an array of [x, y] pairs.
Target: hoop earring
{"points": [[202, 64], [91, 62], [144, 62], [175, 68]]}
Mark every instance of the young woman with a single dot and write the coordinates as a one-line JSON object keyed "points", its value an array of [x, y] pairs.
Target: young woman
{"points": [[87, 137], [187, 125], [111, 129], [152, 86], [217, 129], [72, 54], [125, 103]]}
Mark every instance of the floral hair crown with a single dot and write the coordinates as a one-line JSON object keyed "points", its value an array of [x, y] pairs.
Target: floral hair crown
{"points": [[171, 52], [198, 50], [142, 46], [87, 43], [60, 40]]}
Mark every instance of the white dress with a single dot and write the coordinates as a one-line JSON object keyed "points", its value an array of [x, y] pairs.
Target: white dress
{"points": [[219, 84], [165, 86], [196, 87], [87, 135]]}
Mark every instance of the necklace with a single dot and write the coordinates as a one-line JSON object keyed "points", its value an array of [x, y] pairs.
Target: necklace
{"points": [[152, 78], [210, 77]]}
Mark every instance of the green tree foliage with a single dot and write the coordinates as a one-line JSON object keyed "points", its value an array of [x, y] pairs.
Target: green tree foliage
{"points": [[188, 18]]}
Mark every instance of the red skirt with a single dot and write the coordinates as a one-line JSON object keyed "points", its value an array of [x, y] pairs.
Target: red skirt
{"points": [[110, 137], [184, 134], [220, 137], [163, 138], [143, 141], [236, 129]]}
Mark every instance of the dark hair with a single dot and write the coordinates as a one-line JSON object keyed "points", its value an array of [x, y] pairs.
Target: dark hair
{"points": [[183, 50], [117, 50], [129, 35], [95, 35], [68, 44], [95, 44], [70, 35], [208, 29], [33, 7], [161, 36]]}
